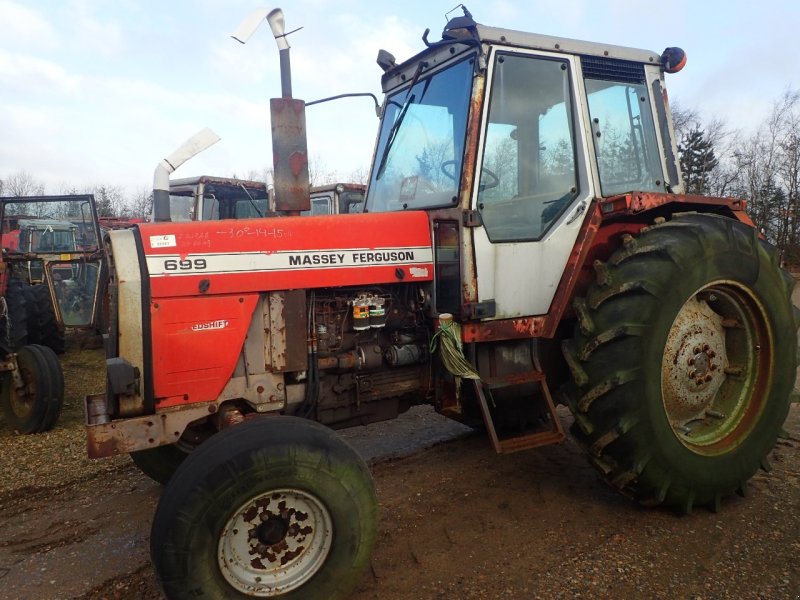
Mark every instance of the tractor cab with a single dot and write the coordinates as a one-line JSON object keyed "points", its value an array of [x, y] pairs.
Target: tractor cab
{"points": [[55, 248], [512, 135], [207, 198], [336, 199]]}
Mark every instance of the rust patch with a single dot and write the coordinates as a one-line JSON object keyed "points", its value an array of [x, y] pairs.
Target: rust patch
{"points": [[638, 202]]}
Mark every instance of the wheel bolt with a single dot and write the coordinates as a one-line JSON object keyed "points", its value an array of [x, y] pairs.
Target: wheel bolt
{"points": [[691, 361], [692, 373], [708, 377], [699, 381], [697, 349], [706, 347]]}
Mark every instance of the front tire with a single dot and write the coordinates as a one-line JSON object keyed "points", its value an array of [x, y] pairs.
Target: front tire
{"points": [[32, 398], [159, 463], [275, 507], [683, 361]]}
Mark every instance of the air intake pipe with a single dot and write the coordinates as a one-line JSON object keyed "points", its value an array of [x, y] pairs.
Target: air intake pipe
{"points": [[191, 147]]}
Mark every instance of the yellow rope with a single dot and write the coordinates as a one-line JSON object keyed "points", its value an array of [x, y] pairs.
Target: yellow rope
{"points": [[448, 341]]}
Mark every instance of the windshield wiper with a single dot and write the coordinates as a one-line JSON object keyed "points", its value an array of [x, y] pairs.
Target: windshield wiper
{"points": [[392, 134], [249, 197]]}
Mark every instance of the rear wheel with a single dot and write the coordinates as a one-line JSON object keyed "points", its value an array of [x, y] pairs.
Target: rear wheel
{"points": [[32, 396], [275, 507], [42, 325], [13, 317], [683, 361]]}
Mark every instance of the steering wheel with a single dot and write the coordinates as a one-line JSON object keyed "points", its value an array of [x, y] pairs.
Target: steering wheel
{"points": [[494, 180]]}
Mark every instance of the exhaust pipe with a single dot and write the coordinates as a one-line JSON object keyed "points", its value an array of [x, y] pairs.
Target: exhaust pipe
{"points": [[288, 117], [191, 147]]}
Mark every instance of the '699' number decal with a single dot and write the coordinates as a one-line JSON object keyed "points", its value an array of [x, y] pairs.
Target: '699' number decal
{"points": [[189, 264]]}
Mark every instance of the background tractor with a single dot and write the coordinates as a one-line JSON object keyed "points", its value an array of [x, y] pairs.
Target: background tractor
{"points": [[49, 275], [525, 242]]}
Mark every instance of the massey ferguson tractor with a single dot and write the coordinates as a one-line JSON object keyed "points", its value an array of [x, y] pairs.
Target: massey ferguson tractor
{"points": [[49, 273], [525, 242]]}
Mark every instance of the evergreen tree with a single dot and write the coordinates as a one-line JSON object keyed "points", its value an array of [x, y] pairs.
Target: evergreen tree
{"points": [[697, 160]]}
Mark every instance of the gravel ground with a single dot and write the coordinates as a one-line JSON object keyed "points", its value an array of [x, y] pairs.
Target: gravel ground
{"points": [[457, 521]]}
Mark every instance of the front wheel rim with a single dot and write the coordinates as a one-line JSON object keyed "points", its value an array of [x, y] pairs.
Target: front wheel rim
{"points": [[716, 368], [23, 398], [275, 542]]}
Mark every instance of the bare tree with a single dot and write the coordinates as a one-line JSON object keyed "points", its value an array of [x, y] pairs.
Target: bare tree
{"points": [[359, 175], [684, 120], [767, 166], [23, 183], [141, 205]]}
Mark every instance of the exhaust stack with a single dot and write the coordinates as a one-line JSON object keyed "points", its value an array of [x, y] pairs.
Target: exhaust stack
{"points": [[288, 117], [194, 145]]}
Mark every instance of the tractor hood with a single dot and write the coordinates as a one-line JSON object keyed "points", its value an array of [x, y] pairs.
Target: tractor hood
{"points": [[258, 255]]}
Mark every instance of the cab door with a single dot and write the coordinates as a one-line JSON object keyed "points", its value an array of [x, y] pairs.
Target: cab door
{"points": [[533, 182]]}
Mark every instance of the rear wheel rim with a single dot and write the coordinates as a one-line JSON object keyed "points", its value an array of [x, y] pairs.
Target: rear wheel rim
{"points": [[275, 542], [23, 399], [716, 367]]}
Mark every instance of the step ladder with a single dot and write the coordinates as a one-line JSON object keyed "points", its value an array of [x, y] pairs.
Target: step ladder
{"points": [[527, 439]]}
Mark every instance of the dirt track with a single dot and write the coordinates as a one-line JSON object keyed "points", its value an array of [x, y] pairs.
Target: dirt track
{"points": [[457, 521]]}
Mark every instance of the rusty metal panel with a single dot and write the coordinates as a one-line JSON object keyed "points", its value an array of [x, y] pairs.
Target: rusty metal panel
{"points": [[289, 154], [276, 331], [502, 329], [469, 285], [287, 332], [637, 202], [295, 316], [138, 433]]}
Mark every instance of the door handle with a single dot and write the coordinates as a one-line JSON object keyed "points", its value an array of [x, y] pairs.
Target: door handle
{"points": [[578, 212]]}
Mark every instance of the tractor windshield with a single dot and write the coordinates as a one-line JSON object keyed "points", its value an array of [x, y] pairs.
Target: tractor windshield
{"points": [[421, 143]]}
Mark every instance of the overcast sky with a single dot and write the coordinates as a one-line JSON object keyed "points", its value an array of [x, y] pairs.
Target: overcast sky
{"points": [[98, 91]]}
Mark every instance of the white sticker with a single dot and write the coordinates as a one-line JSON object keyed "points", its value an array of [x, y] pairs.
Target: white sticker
{"points": [[418, 272], [162, 241], [220, 324]]}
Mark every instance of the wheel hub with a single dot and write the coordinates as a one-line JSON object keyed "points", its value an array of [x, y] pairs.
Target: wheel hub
{"points": [[691, 373], [273, 530], [23, 392], [275, 542], [712, 368]]}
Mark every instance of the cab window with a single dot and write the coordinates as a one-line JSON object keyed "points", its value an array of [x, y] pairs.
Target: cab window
{"points": [[528, 175]]}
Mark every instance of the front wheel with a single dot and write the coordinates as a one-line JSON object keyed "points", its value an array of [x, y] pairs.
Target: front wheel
{"points": [[683, 361], [275, 507], [33, 393], [159, 463]]}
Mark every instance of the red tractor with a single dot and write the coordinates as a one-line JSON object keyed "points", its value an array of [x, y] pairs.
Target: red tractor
{"points": [[525, 242], [49, 275]]}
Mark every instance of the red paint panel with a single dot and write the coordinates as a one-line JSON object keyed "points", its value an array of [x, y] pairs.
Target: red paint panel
{"points": [[196, 342], [249, 282], [287, 252]]}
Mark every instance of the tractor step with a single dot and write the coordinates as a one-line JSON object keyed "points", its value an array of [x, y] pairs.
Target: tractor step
{"points": [[527, 439]]}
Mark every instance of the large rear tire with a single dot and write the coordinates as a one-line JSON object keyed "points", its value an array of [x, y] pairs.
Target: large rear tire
{"points": [[32, 400], [13, 317], [42, 325], [277, 506], [683, 361]]}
